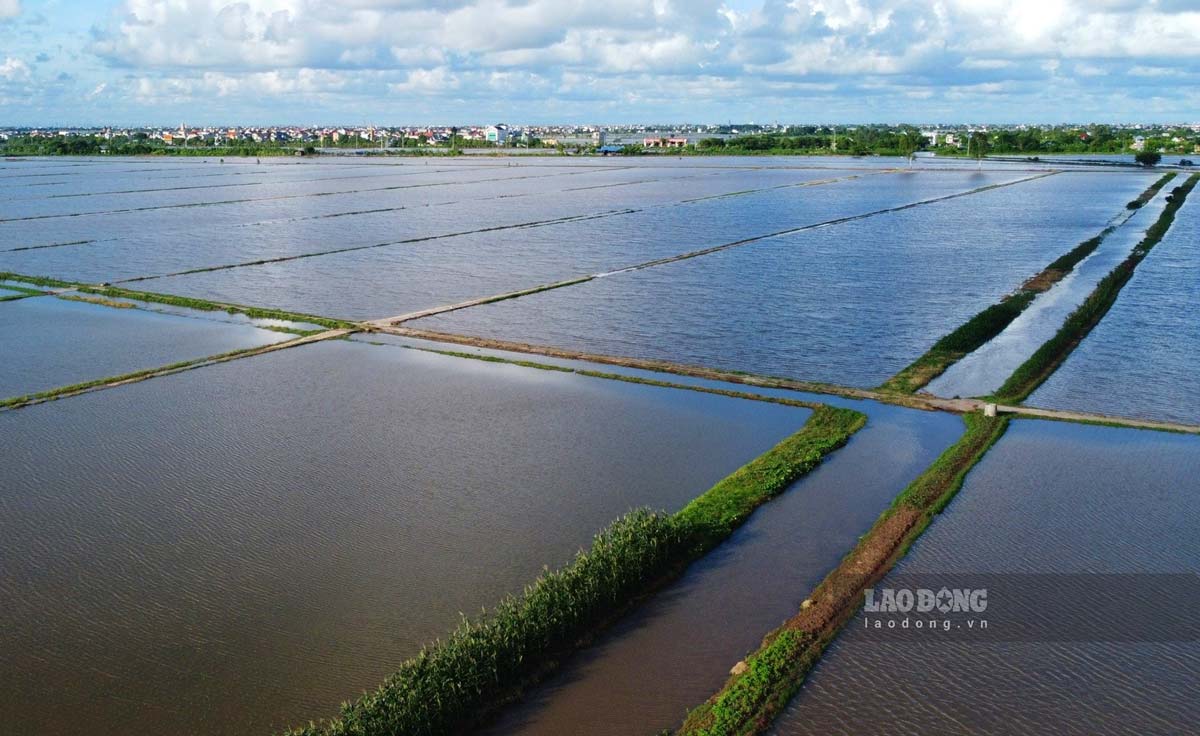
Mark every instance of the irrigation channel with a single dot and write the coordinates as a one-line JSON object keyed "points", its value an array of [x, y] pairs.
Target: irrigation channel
{"points": [[834, 468]]}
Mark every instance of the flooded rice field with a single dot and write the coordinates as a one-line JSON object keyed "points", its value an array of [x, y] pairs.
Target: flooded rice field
{"points": [[983, 371], [1054, 499], [1143, 359], [850, 304], [242, 546]]}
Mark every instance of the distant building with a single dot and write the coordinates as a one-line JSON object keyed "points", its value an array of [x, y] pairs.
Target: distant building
{"points": [[498, 134], [598, 138], [664, 142]]}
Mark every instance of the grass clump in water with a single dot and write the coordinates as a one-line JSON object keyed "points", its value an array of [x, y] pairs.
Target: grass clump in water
{"points": [[483, 663], [457, 683], [714, 515]]}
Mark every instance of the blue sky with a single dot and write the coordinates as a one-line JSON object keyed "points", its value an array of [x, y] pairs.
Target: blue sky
{"points": [[70, 62]]}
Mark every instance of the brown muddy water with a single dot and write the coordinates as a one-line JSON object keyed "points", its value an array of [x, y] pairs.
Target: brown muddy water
{"points": [[239, 548], [676, 650]]}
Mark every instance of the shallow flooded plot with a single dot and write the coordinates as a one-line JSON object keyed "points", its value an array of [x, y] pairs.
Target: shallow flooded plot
{"points": [[244, 546], [852, 303], [398, 279], [675, 651], [1060, 500], [184, 211], [167, 249], [986, 369], [50, 342], [1143, 359]]}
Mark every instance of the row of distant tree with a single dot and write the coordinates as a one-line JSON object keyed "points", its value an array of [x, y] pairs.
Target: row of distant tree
{"points": [[866, 140], [137, 145], [907, 140]]}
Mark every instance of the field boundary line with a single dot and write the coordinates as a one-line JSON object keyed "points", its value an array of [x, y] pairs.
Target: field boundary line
{"points": [[77, 389], [924, 402]]}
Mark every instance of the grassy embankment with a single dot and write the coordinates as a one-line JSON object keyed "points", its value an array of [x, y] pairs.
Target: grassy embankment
{"points": [[203, 305], [1046, 359], [485, 663], [989, 323], [768, 678]]}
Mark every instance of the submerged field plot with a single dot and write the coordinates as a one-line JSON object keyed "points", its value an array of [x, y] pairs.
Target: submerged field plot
{"points": [[1033, 512], [1143, 357], [245, 546], [270, 430], [849, 304], [173, 241], [51, 342], [983, 371]]}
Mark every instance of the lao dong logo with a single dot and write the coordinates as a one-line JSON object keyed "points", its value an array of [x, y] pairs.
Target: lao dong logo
{"points": [[926, 600]]}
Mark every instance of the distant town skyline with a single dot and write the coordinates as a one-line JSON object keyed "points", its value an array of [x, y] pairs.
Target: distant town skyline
{"points": [[399, 62]]}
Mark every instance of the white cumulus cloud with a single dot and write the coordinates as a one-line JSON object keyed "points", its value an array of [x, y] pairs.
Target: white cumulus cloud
{"points": [[703, 59]]}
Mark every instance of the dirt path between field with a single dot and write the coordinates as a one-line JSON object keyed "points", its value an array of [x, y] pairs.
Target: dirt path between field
{"points": [[925, 402]]}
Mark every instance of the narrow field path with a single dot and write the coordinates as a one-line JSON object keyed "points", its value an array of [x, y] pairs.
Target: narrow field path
{"points": [[926, 402], [135, 377]]}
